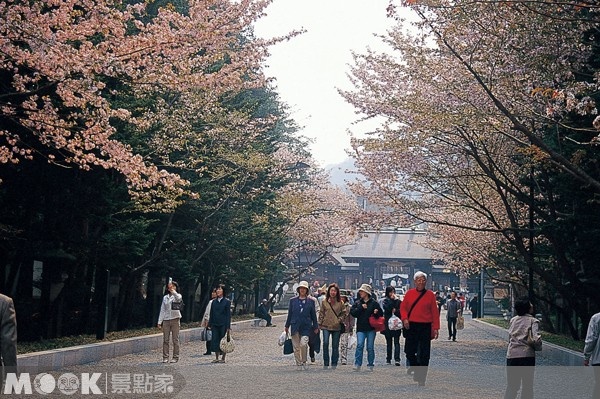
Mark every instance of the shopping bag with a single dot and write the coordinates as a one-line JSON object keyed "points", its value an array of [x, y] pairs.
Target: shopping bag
{"points": [[282, 338], [352, 341], [394, 323], [460, 322]]}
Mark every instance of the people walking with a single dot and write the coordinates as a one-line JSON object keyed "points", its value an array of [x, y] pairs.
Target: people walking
{"points": [[331, 316], [168, 321], [348, 327], [591, 351], [454, 309], [421, 320], [391, 307], [205, 318], [474, 306], [520, 355], [219, 322], [8, 337], [362, 309], [301, 321]]}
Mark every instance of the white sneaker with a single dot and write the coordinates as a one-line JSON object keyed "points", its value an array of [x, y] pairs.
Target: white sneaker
{"points": [[165, 360], [356, 368]]}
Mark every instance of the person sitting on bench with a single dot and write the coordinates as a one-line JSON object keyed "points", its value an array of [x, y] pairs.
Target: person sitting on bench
{"points": [[263, 313]]}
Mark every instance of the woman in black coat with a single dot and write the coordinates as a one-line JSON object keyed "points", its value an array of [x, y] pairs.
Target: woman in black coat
{"points": [[219, 322], [391, 306]]}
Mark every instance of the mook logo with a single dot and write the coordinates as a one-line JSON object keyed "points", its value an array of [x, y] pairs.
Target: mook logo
{"points": [[45, 384]]}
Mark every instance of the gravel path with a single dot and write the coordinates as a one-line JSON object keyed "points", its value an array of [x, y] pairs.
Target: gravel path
{"points": [[472, 367]]}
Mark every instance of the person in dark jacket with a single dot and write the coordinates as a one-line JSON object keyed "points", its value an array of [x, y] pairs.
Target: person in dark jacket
{"points": [[8, 337], [219, 322], [301, 322], [474, 306], [263, 312], [391, 306], [362, 309]]}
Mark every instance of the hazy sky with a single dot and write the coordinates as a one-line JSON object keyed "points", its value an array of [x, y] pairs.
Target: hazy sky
{"points": [[311, 66]]}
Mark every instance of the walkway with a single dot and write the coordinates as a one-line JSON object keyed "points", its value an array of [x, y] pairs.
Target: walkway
{"points": [[472, 367]]}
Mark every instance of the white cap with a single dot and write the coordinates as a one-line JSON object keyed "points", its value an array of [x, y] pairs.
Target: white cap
{"points": [[420, 274]]}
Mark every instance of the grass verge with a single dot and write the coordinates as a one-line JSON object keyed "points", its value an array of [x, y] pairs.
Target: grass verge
{"points": [[557, 339], [65, 342]]}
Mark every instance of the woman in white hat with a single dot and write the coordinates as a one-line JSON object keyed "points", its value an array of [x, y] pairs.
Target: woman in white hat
{"points": [[302, 318], [362, 309]]}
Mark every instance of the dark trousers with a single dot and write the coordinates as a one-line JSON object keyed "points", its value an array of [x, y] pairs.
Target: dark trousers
{"points": [[208, 347], [452, 327], [417, 348], [218, 332], [266, 317], [474, 313], [392, 338], [519, 374]]}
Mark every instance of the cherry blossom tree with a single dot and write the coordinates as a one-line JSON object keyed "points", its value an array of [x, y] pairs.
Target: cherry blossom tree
{"points": [[480, 114], [65, 62]]}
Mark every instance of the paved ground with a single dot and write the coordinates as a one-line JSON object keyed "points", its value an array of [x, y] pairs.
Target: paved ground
{"points": [[472, 367]]}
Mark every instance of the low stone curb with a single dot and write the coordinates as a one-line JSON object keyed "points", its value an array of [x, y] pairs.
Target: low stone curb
{"points": [[55, 359], [555, 353]]}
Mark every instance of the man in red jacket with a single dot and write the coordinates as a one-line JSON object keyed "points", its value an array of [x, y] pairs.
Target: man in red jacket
{"points": [[421, 319]]}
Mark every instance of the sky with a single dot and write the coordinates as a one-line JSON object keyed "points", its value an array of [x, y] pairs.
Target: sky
{"points": [[309, 68]]}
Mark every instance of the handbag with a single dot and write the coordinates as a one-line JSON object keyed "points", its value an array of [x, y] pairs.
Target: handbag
{"points": [[226, 345], [404, 332], [288, 346], [177, 305], [378, 323], [206, 335], [460, 322]]}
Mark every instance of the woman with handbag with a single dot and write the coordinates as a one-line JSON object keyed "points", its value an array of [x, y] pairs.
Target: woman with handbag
{"points": [[219, 322], [362, 310], [205, 319], [330, 319], [168, 321], [391, 307], [301, 322], [524, 340]]}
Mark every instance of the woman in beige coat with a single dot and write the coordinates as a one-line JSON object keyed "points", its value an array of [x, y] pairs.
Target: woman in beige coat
{"points": [[332, 314], [520, 355]]}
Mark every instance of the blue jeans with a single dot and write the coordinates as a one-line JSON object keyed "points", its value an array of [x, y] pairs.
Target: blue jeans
{"points": [[335, 350], [360, 346]]}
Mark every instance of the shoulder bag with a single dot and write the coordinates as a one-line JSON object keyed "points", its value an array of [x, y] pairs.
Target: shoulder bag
{"points": [[411, 309], [535, 343]]}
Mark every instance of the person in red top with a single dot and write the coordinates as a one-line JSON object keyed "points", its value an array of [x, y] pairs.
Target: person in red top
{"points": [[421, 320]]}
